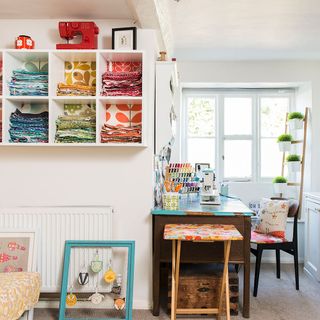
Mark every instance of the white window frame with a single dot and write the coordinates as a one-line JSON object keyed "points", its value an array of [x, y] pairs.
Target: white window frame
{"points": [[219, 95]]}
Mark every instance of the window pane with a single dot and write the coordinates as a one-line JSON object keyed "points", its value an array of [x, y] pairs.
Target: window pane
{"points": [[201, 117], [237, 116], [201, 150], [273, 114], [271, 158], [237, 158]]}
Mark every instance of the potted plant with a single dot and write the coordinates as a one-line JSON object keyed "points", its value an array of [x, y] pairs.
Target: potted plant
{"points": [[284, 142], [279, 184], [295, 120], [293, 162]]}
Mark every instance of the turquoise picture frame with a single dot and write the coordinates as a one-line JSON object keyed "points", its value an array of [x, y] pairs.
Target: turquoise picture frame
{"points": [[69, 244]]}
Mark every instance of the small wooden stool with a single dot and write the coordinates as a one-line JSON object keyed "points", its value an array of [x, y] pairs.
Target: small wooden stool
{"points": [[200, 233]]}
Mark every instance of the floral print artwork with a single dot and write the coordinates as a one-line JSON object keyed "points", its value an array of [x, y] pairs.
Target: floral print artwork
{"points": [[201, 232]]}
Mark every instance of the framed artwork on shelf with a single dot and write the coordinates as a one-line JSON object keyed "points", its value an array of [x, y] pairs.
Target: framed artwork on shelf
{"points": [[122, 302], [17, 250], [124, 38]]}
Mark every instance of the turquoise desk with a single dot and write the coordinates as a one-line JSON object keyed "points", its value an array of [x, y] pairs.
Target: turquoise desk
{"points": [[231, 211]]}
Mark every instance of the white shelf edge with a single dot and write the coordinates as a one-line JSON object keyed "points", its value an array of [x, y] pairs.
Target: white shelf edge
{"points": [[72, 145]]}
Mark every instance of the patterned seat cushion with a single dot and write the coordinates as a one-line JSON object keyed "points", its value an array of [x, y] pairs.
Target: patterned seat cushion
{"points": [[265, 238], [19, 291]]}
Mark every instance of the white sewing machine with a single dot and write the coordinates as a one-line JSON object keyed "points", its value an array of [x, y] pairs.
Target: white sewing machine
{"points": [[209, 194]]}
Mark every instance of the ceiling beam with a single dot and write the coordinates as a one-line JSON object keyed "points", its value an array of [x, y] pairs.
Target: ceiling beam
{"points": [[154, 14]]}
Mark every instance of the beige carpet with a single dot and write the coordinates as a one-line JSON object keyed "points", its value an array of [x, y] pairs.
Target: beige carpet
{"points": [[277, 299]]}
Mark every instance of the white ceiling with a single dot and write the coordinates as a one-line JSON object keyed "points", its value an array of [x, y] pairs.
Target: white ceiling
{"points": [[245, 29], [65, 9]]}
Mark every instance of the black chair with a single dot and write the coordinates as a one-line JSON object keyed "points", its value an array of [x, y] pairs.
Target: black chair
{"points": [[290, 247]]}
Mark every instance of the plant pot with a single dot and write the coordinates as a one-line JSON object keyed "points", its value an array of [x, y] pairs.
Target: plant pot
{"points": [[296, 124], [284, 146], [293, 166], [280, 187]]}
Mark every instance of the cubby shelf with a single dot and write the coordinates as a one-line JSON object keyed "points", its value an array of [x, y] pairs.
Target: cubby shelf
{"points": [[57, 60]]}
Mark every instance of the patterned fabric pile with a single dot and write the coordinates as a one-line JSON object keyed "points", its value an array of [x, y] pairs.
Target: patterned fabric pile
{"points": [[122, 79], [75, 90], [116, 134], [0, 78], [80, 79], [29, 83], [77, 125], [0, 124], [28, 127]]}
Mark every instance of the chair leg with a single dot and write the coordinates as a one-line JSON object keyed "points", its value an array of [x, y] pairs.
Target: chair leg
{"points": [[278, 262], [257, 271], [296, 266]]}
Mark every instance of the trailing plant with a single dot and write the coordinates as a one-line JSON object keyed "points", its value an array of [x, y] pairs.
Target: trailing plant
{"points": [[285, 137], [295, 115], [279, 179], [293, 157]]}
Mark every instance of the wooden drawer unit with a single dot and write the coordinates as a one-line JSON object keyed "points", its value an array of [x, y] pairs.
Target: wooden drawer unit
{"points": [[312, 237]]}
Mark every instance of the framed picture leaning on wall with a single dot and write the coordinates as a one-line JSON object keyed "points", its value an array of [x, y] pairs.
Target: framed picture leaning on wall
{"points": [[124, 38], [17, 250]]}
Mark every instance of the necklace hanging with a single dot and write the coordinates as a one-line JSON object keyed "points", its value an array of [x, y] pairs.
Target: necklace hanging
{"points": [[119, 303], [96, 264], [71, 298], [109, 276], [97, 297], [116, 289], [83, 277]]}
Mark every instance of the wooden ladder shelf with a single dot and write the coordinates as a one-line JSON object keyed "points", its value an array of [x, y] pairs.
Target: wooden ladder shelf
{"points": [[303, 152]]}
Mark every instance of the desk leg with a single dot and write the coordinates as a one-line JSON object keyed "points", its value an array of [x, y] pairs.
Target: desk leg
{"points": [[246, 273], [156, 273]]}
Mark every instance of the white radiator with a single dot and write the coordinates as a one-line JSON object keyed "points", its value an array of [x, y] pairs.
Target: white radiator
{"points": [[54, 225]]}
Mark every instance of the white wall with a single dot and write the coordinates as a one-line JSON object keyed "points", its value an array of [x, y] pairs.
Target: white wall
{"points": [[117, 176]]}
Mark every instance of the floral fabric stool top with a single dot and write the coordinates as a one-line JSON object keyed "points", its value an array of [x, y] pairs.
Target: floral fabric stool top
{"points": [[19, 291], [200, 233]]}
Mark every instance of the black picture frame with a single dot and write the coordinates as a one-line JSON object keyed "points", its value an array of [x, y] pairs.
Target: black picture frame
{"points": [[134, 37]]}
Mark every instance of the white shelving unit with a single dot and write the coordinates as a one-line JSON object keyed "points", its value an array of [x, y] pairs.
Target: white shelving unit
{"points": [[14, 59]]}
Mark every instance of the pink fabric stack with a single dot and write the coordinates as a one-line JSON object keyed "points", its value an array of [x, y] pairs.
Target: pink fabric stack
{"points": [[122, 79]]}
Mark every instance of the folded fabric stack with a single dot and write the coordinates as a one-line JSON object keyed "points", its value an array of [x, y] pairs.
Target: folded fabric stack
{"points": [[122, 79], [28, 127], [75, 90], [0, 124], [119, 134], [80, 127], [27, 83], [0, 78]]}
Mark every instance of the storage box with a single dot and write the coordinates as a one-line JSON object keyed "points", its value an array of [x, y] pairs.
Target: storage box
{"points": [[170, 201], [199, 287]]}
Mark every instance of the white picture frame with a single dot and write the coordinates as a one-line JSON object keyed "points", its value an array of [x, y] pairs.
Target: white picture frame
{"points": [[18, 248]]}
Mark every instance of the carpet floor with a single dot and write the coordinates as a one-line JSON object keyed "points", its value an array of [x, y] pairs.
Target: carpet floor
{"points": [[277, 300]]}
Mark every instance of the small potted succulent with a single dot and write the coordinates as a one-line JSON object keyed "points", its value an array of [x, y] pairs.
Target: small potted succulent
{"points": [[293, 162], [295, 120], [284, 142], [279, 184]]}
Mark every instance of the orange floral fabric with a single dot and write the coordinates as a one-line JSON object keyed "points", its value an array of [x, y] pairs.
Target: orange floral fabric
{"points": [[201, 232], [265, 238]]}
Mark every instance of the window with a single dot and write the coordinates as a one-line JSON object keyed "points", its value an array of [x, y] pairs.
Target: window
{"points": [[235, 131]]}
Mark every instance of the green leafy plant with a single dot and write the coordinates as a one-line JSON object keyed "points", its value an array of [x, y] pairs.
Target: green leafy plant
{"points": [[293, 157], [279, 179], [295, 115], [285, 137]]}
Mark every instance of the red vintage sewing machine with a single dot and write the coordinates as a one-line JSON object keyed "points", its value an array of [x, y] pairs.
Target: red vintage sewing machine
{"points": [[88, 30]]}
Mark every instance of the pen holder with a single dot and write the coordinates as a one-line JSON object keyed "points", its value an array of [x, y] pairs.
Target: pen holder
{"points": [[170, 201]]}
